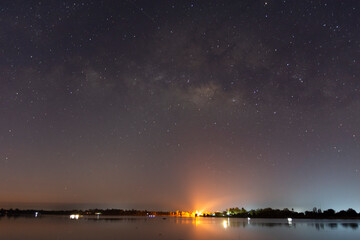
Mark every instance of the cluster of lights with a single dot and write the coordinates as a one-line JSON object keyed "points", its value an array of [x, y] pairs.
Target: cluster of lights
{"points": [[198, 214], [74, 216]]}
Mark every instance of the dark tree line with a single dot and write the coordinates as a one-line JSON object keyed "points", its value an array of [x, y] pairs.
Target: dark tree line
{"points": [[286, 213], [231, 212], [107, 212]]}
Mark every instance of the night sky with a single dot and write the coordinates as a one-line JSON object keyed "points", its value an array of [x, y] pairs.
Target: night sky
{"points": [[180, 104]]}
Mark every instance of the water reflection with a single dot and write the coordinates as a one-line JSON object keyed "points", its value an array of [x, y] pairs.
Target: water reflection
{"points": [[274, 223], [332, 225], [103, 227], [318, 226], [232, 222], [226, 223], [351, 225], [115, 219], [322, 226], [271, 225]]}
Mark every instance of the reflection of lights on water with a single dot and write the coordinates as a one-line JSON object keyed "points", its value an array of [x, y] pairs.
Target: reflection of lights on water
{"points": [[226, 223], [74, 216], [290, 221], [196, 221], [36, 214]]}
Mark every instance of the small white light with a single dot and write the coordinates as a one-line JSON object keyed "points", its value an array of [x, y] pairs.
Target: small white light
{"points": [[289, 219], [74, 216]]}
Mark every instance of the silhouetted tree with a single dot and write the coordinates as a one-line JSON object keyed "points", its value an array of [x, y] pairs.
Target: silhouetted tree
{"points": [[351, 213], [330, 213]]}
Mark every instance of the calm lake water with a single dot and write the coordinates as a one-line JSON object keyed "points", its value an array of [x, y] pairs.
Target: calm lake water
{"points": [[61, 227]]}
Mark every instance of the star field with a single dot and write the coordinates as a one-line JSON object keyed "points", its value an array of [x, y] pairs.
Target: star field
{"points": [[180, 104]]}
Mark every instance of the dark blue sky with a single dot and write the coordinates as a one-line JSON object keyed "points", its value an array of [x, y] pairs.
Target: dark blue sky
{"points": [[180, 104]]}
